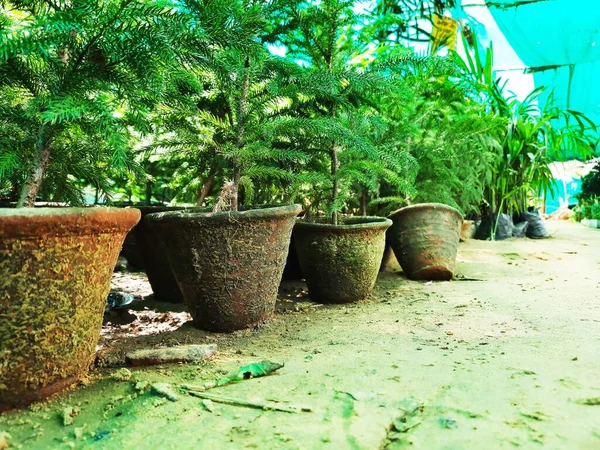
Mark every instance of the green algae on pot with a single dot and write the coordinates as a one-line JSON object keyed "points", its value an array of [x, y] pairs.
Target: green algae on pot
{"points": [[227, 264], [55, 272], [341, 262], [425, 240]]}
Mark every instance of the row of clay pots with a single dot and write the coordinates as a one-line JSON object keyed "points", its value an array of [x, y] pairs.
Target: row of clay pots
{"points": [[339, 262], [56, 265], [423, 237]]}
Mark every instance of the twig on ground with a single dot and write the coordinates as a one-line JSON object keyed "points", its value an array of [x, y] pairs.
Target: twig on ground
{"points": [[238, 402]]}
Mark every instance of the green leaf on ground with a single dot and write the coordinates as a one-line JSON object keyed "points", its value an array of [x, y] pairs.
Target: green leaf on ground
{"points": [[254, 370]]}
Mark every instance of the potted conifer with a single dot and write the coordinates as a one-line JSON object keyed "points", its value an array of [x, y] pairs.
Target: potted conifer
{"points": [[229, 262], [73, 85], [340, 255]]}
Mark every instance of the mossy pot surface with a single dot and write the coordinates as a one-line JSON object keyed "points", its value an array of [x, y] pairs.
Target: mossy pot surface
{"points": [[425, 240], [228, 264], [55, 272], [153, 255], [341, 262]]}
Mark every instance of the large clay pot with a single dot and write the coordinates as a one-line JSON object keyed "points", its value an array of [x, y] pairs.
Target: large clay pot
{"points": [[227, 264], [425, 240], [55, 271], [341, 262]]}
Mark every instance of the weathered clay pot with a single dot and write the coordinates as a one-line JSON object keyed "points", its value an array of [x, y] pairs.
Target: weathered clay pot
{"points": [[227, 264], [55, 272], [341, 262], [154, 258], [425, 239]]}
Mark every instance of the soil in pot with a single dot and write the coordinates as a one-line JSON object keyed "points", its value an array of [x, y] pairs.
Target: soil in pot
{"points": [[55, 272], [227, 264], [425, 240], [341, 262]]}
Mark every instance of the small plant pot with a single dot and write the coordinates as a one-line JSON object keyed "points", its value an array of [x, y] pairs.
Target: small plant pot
{"points": [[55, 270], [227, 264], [341, 262], [153, 257], [425, 240]]}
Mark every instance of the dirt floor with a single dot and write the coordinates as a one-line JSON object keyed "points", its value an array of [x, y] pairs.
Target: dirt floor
{"points": [[505, 356]]}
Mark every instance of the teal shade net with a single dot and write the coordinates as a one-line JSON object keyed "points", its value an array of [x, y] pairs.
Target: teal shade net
{"points": [[560, 41]]}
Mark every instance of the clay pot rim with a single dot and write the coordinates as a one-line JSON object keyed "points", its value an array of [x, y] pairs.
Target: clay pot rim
{"points": [[424, 206], [151, 209], [364, 223], [206, 215], [68, 221]]}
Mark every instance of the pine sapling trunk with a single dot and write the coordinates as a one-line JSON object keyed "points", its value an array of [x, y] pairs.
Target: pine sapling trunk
{"points": [[335, 187], [149, 186], [235, 188], [364, 202], [33, 182], [241, 133]]}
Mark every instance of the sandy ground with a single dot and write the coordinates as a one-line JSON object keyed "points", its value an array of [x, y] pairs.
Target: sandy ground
{"points": [[508, 357]]}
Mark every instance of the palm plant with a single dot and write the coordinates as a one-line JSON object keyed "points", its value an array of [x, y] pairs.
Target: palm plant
{"points": [[535, 138], [530, 139], [77, 79]]}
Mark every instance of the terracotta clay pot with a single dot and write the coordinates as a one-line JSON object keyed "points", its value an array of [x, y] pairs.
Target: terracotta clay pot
{"points": [[425, 240], [227, 264], [341, 262], [55, 270]]}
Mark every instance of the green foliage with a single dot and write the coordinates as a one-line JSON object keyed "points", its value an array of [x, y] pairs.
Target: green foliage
{"points": [[168, 101], [76, 80], [452, 137], [532, 137], [590, 184], [535, 138], [340, 124], [588, 208], [394, 22]]}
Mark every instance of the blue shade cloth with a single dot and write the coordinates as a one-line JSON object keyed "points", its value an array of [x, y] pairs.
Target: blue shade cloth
{"points": [[560, 41], [565, 194], [575, 87], [550, 32]]}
